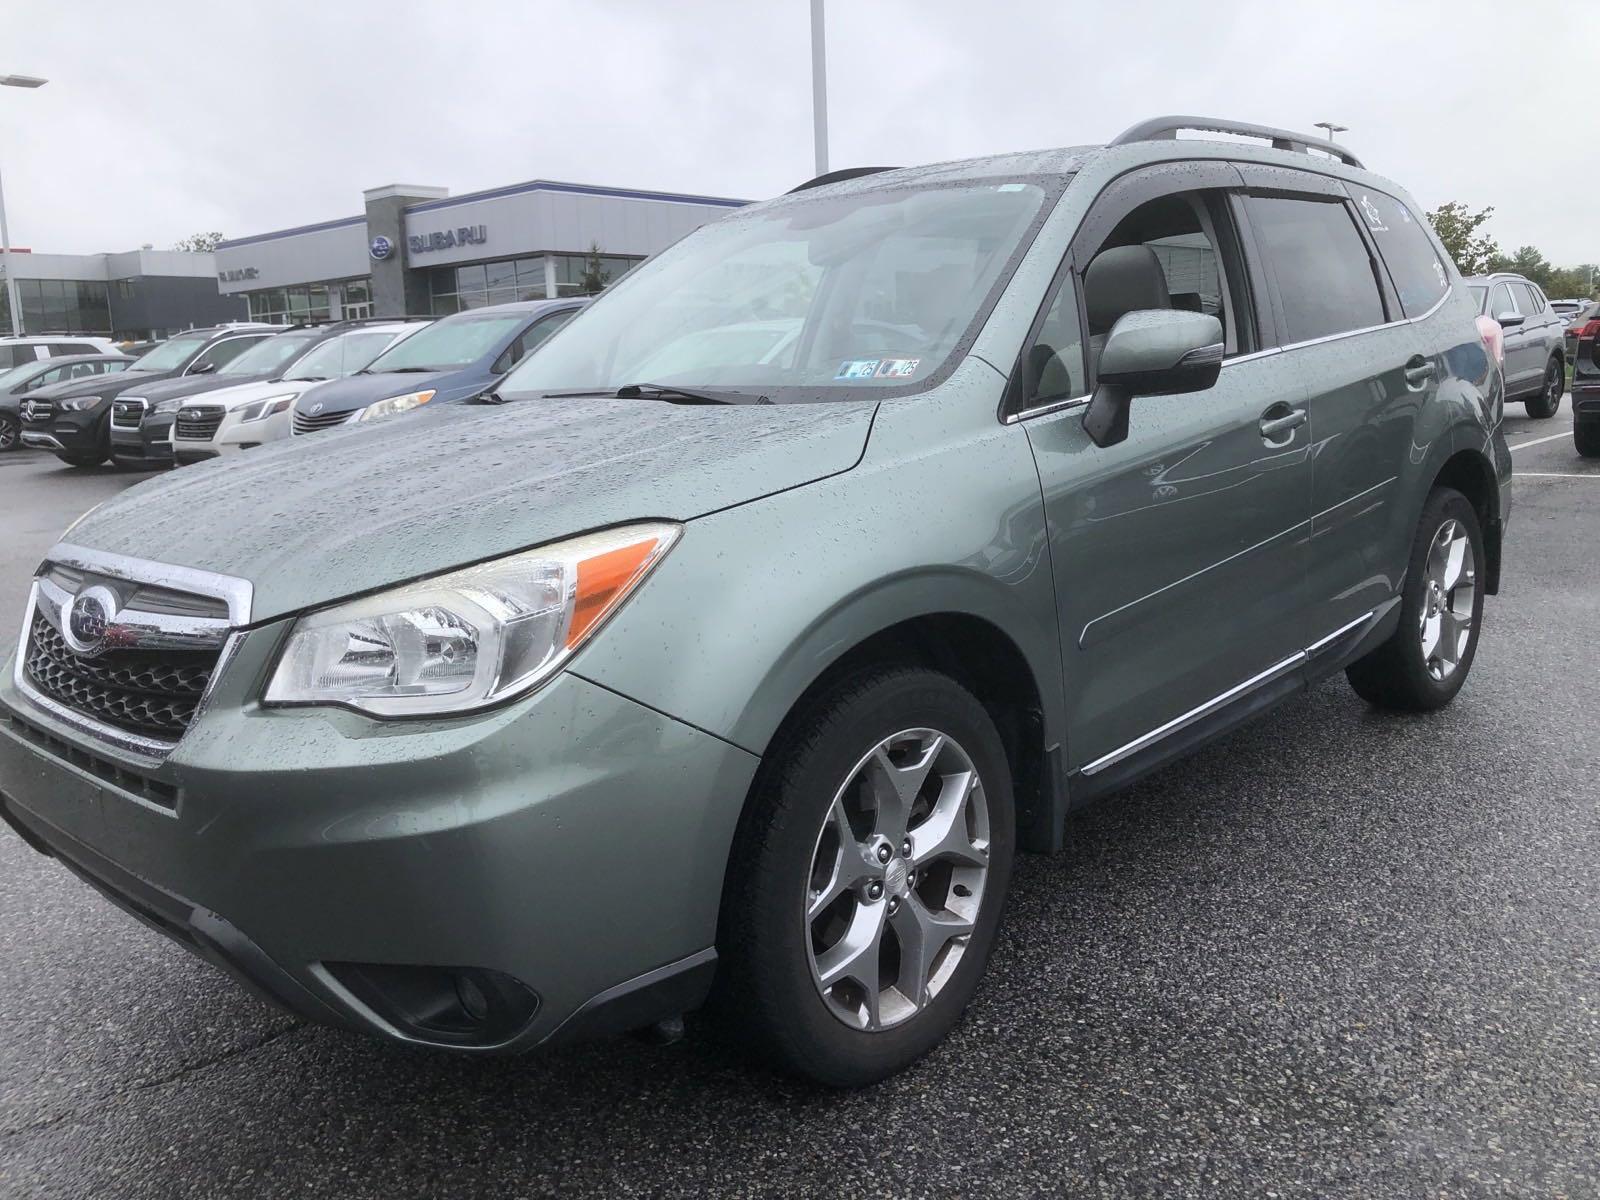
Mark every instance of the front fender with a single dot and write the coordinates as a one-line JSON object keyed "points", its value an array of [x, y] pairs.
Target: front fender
{"points": [[942, 515]]}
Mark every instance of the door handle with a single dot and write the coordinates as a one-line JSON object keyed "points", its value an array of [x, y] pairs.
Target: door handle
{"points": [[1278, 430], [1418, 371]]}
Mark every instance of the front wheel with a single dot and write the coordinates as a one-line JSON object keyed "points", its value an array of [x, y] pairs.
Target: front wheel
{"points": [[868, 877], [1586, 439], [1548, 400], [1425, 661], [8, 432]]}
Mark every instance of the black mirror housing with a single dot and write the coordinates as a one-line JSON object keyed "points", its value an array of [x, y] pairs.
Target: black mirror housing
{"points": [[1152, 352]]}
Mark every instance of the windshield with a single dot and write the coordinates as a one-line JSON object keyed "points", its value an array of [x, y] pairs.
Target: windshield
{"points": [[270, 355], [453, 342], [169, 356], [873, 289], [338, 357], [10, 379]]}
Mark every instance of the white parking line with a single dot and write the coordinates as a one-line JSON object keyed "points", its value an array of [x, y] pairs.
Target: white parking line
{"points": [[1540, 441], [1550, 475]]}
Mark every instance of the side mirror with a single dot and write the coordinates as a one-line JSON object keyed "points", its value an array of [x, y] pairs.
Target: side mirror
{"points": [[204, 368], [1152, 352], [1509, 320]]}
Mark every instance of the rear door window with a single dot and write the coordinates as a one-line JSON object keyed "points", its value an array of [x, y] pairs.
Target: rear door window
{"points": [[1414, 262], [1527, 302], [1324, 274]]}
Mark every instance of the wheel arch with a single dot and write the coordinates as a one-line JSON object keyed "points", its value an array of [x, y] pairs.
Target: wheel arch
{"points": [[1470, 473]]}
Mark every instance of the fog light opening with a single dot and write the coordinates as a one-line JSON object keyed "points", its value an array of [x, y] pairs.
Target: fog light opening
{"points": [[446, 1006]]}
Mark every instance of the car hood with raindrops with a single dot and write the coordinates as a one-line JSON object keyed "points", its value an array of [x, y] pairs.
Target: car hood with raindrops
{"points": [[316, 519]]}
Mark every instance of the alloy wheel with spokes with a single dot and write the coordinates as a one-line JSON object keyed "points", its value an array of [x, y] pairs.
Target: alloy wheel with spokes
{"points": [[897, 879], [1445, 622]]}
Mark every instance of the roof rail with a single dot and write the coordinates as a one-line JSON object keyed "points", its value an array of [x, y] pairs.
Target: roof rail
{"points": [[839, 177], [1166, 129]]}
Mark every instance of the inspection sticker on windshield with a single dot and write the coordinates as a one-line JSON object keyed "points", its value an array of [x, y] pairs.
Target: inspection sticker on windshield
{"points": [[897, 368], [857, 368]]}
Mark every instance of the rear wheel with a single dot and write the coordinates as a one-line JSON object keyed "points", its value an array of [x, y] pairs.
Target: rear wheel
{"points": [[867, 881], [1425, 661], [8, 432], [1548, 400], [1586, 438]]}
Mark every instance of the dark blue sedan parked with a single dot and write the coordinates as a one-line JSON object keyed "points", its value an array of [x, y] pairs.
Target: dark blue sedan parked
{"points": [[453, 359]]}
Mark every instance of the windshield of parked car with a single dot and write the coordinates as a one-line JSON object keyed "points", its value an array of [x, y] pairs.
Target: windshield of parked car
{"points": [[338, 357], [806, 299], [170, 355], [10, 379], [452, 343], [270, 355]]}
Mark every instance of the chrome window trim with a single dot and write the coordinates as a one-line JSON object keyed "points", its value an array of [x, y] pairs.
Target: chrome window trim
{"points": [[237, 593]]}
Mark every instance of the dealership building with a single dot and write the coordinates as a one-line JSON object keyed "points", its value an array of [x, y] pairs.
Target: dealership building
{"points": [[418, 250], [136, 295]]}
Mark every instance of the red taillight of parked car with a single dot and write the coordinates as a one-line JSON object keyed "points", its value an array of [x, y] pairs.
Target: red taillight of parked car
{"points": [[1494, 339], [1588, 329]]}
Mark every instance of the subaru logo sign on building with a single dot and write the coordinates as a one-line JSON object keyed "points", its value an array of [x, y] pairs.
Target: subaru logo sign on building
{"points": [[380, 247]]}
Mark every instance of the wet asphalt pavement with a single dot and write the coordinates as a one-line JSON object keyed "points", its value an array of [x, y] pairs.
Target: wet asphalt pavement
{"points": [[1338, 954]]}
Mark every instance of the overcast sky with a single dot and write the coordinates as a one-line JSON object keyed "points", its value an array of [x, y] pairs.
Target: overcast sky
{"points": [[166, 118]]}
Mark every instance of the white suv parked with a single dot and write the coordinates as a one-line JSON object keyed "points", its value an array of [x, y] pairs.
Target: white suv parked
{"points": [[19, 351], [246, 416]]}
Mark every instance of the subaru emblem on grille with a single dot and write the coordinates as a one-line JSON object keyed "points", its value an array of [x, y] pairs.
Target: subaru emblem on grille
{"points": [[87, 619]]}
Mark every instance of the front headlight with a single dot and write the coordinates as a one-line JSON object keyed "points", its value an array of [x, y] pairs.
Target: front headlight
{"points": [[80, 403], [267, 407], [470, 638], [395, 405], [166, 406]]}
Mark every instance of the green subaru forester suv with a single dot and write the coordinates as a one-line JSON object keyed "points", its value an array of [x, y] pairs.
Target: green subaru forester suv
{"points": [[731, 650]]}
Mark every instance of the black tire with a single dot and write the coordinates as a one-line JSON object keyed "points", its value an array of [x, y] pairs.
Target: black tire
{"points": [[1548, 401], [90, 459], [1394, 675], [765, 987], [9, 433], [1586, 438]]}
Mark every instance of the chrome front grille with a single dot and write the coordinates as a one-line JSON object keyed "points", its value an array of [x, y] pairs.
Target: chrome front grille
{"points": [[150, 693], [198, 424], [127, 412], [125, 650], [306, 423], [37, 408]]}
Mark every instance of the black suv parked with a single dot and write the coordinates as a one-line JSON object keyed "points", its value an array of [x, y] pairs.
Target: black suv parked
{"points": [[1585, 343], [141, 418], [1535, 363], [75, 420]]}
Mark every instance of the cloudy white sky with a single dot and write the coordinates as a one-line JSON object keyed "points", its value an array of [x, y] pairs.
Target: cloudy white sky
{"points": [[171, 116]]}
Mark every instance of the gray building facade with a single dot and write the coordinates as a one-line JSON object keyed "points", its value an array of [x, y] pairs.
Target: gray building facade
{"points": [[417, 250], [134, 295]]}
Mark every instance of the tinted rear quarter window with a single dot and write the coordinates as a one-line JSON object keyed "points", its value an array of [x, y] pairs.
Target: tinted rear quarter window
{"points": [[1323, 271], [1414, 262]]}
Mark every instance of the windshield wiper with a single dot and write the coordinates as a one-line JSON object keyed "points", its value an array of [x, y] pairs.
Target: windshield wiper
{"points": [[661, 391], [408, 370]]}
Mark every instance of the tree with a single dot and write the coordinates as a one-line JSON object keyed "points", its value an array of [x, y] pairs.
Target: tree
{"points": [[199, 243], [1458, 230], [595, 276]]}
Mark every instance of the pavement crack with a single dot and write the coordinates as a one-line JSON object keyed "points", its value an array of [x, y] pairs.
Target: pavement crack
{"points": [[205, 1064]]}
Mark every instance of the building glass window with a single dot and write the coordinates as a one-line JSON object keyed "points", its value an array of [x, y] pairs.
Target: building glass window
{"points": [[59, 306], [287, 306], [584, 274]]}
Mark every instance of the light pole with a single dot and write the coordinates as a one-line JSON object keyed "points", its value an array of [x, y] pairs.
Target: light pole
{"points": [[22, 81], [819, 87], [1332, 128]]}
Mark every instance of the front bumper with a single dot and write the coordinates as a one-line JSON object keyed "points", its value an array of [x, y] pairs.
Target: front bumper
{"points": [[232, 436], [150, 443], [574, 841], [73, 433]]}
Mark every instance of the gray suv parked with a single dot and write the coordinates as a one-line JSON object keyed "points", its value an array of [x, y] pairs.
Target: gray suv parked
{"points": [[1535, 350], [531, 721]]}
